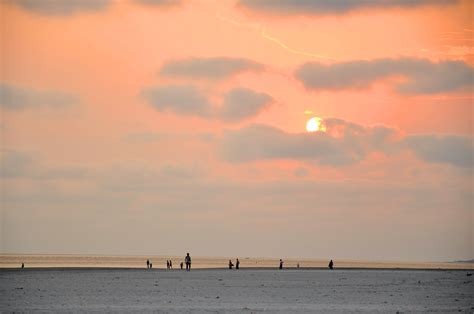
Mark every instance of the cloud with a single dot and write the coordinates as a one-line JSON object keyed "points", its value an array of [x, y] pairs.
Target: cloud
{"points": [[181, 99], [19, 164], [159, 2], [308, 7], [350, 145], [61, 7], [422, 76], [452, 149], [242, 103], [239, 103], [15, 164], [344, 143], [301, 172], [209, 68], [17, 98]]}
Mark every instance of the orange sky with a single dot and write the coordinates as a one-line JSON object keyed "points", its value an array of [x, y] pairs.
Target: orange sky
{"points": [[95, 144]]}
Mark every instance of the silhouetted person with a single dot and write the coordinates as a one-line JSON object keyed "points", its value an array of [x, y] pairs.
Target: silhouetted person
{"points": [[147, 263], [151, 265], [22, 265], [281, 263], [230, 264], [331, 265], [187, 260], [171, 264], [237, 264], [297, 265], [181, 265]]}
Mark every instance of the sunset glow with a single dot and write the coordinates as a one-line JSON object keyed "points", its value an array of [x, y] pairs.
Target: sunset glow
{"points": [[238, 128]]}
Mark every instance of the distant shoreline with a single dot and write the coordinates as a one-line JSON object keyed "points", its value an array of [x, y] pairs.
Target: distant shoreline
{"points": [[74, 268]]}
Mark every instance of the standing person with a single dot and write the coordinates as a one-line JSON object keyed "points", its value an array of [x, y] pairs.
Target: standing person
{"points": [[147, 263], [230, 264], [281, 263], [237, 264], [331, 264], [171, 264], [151, 265], [22, 265], [187, 260], [167, 264], [297, 265], [181, 265]]}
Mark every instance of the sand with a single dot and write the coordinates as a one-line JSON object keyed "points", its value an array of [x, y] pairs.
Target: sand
{"points": [[247, 290]]}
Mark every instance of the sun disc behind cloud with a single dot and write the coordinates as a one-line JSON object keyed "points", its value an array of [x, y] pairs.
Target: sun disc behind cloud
{"points": [[315, 124]]}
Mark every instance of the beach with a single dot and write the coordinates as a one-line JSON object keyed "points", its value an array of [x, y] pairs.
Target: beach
{"points": [[244, 290], [204, 262]]}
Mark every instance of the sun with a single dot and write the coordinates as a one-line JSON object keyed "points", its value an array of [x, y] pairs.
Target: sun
{"points": [[315, 124]]}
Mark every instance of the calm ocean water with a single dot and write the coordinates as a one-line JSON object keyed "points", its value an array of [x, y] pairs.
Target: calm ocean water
{"points": [[14, 261]]}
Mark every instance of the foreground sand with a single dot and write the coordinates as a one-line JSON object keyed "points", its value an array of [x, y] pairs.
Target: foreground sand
{"points": [[247, 290]]}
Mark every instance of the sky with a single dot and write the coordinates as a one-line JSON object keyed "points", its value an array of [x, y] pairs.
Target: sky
{"points": [[159, 127]]}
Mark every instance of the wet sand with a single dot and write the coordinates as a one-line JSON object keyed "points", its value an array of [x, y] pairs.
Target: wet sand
{"points": [[246, 290]]}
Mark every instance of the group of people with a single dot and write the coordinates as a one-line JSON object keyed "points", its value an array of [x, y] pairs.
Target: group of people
{"points": [[237, 264], [149, 265], [169, 263], [330, 265], [187, 261]]}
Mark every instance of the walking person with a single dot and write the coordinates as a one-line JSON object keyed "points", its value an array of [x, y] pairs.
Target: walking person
{"points": [[187, 260], [331, 264]]}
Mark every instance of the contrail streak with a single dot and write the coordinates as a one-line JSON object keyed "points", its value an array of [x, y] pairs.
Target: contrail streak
{"points": [[262, 29]]}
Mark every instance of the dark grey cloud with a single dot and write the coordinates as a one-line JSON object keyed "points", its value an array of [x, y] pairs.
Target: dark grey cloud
{"points": [[242, 103], [208, 68], [181, 99], [422, 76], [61, 7], [308, 7], [159, 2], [17, 98], [343, 143], [239, 103], [452, 149], [257, 142]]}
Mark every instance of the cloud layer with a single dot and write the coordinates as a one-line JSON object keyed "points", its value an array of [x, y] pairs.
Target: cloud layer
{"points": [[238, 104], [208, 68], [305, 7], [17, 98], [61, 7], [159, 2], [343, 143], [452, 149], [422, 76]]}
